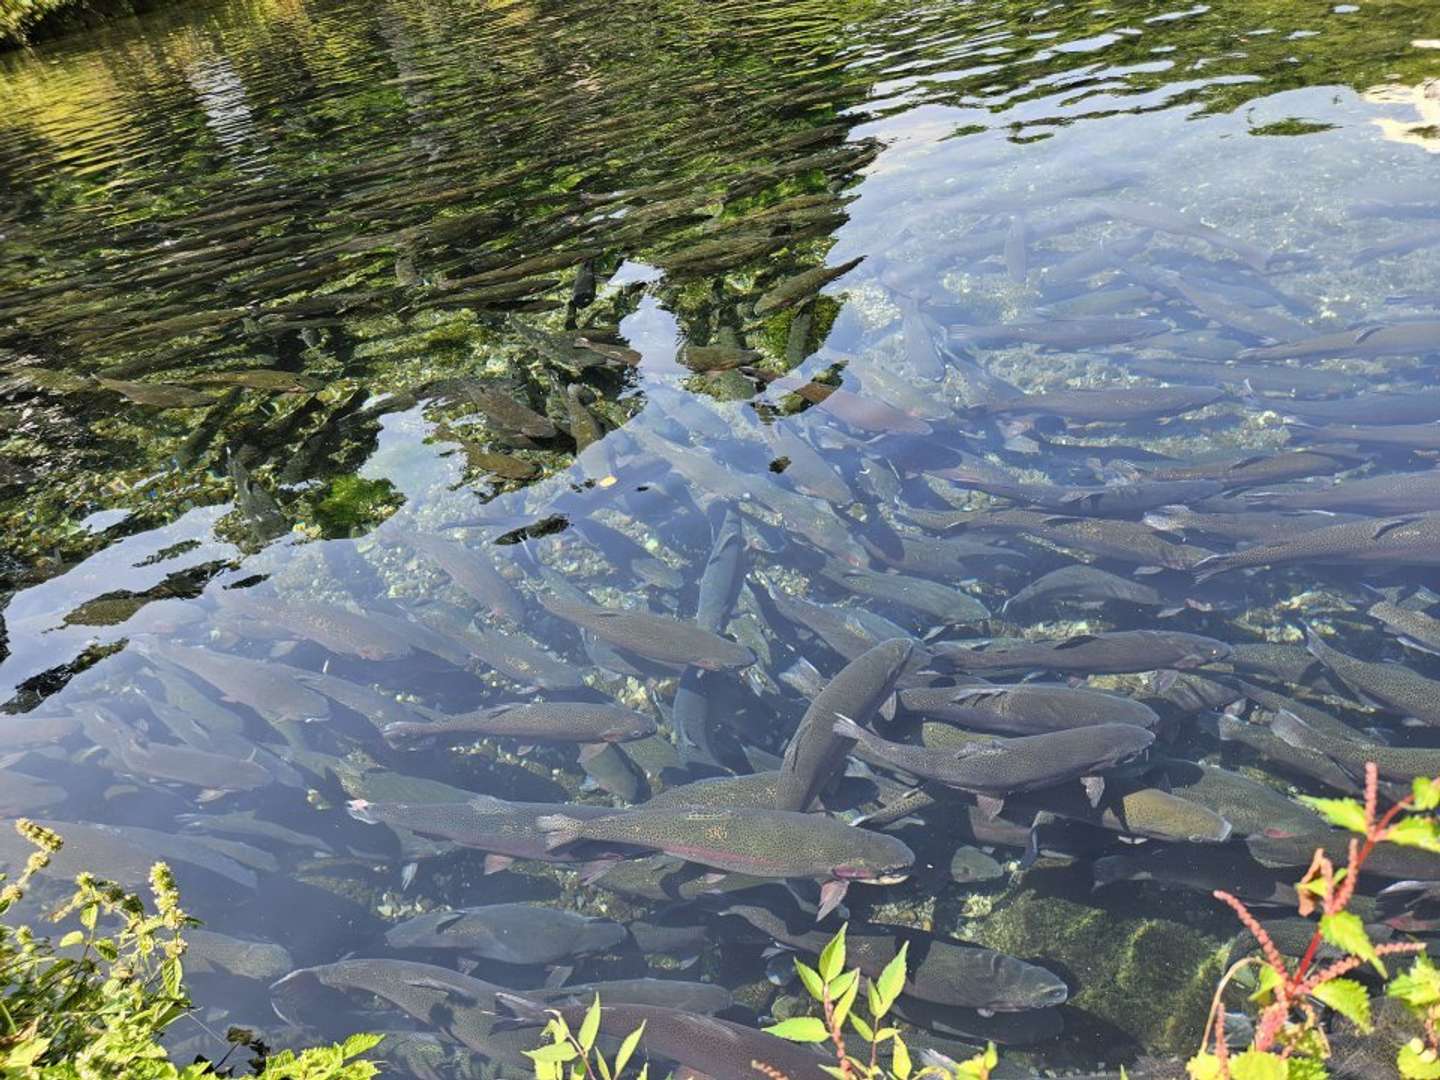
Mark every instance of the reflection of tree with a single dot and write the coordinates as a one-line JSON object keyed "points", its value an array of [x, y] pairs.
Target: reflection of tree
{"points": [[434, 178]]}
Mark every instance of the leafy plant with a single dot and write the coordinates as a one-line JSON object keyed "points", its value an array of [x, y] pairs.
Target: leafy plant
{"points": [[94, 1005], [1290, 1042], [573, 1055], [837, 990]]}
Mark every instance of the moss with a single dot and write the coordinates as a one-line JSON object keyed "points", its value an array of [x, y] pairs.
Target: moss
{"points": [[1149, 976], [353, 503]]}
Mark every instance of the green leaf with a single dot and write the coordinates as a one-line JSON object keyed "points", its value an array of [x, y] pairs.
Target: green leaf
{"points": [[1268, 980], [1203, 1067], [865, 1030], [627, 1048], [644, 1072], [1417, 832], [1346, 932], [1426, 793], [1305, 1068], [1253, 1065], [1416, 1062], [590, 1026], [106, 950], [841, 986], [1345, 813], [891, 980], [835, 1071], [803, 1029], [1348, 998], [847, 997], [900, 1058], [555, 1052], [832, 957], [877, 1006], [814, 985], [74, 937], [1419, 987]]}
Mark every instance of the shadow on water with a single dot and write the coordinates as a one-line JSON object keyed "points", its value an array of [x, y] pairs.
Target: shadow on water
{"points": [[361, 364]]}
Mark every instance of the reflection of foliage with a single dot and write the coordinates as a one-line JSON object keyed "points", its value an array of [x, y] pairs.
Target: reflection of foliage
{"points": [[1291, 125], [353, 503]]}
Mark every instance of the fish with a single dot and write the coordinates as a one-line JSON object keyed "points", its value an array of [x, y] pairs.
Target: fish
{"points": [[849, 631], [1413, 629], [1302, 761], [1399, 339], [993, 769], [920, 333], [814, 755], [1399, 763], [1385, 860], [471, 571], [1389, 493], [508, 933], [135, 754], [945, 604], [1250, 806], [1419, 437], [510, 654], [209, 953], [797, 460], [1030, 708], [1413, 540], [1245, 526], [1201, 867], [694, 997], [505, 830], [1115, 652], [1249, 469], [801, 287], [716, 357], [1106, 538], [1163, 219], [266, 688], [1110, 500], [759, 843], [559, 721], [157, 395], [940, 970], [1390, 686], [1084, 585], [460, 1007], [340, 630], [1065, 334], [1420, 405], [655, 637], [1143, 811]]}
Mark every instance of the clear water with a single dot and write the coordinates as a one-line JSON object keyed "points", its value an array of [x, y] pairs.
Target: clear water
{"points": [[394, 209]]}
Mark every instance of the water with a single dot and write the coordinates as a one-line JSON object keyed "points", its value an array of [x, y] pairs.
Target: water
{"points": [[373, 219]]}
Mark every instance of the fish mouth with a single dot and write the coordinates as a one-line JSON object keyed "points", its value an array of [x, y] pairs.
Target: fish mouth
{"points": [[890, 877]]}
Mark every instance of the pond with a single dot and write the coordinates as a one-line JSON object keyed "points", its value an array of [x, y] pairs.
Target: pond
{"points": [[430, 431]]}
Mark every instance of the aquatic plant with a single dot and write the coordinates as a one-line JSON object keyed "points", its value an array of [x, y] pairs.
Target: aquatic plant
{"points": [[95, 1004], [1290, 1043]]}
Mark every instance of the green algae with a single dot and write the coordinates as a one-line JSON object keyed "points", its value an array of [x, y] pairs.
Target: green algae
{"points": [[1130, 968]]}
